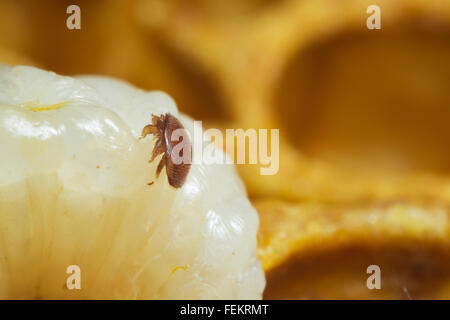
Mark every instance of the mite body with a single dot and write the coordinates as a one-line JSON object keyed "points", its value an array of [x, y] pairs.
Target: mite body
{"points": [[162, 128]]}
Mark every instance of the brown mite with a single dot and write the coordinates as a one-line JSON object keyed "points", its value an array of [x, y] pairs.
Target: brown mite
{"points": [[162, 128]]}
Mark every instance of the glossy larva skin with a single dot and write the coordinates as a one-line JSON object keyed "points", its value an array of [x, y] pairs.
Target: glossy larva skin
{"points": [[74, 191]]}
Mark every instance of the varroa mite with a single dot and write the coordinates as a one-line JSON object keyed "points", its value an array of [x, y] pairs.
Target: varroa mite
{"points": [[162, 128]]}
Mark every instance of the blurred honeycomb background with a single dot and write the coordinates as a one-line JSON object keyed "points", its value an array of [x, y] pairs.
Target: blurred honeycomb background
{"points": [[364, 119]]}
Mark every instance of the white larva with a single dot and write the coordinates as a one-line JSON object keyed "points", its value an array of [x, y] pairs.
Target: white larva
{"points": [[73, 191]]}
